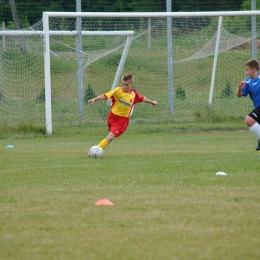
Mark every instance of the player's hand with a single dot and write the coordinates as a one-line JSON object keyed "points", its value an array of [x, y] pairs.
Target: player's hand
{"points": [[154, 103], [241, 84], [91, 101]]}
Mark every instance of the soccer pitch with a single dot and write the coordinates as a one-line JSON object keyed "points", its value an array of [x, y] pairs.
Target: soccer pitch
{"points": [[168, 201]]}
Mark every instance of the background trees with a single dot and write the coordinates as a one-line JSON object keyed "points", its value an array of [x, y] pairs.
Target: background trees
{"points": [[29, 12]]}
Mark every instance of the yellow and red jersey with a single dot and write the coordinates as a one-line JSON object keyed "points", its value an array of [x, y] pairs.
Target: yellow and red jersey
{"points": [[122, 102]]}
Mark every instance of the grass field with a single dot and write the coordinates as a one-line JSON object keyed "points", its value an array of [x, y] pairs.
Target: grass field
{"points": [[168, 201]]}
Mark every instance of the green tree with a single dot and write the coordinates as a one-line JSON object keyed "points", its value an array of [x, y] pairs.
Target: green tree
{"points": [[211, 5], [246, 5], [30, 12]]}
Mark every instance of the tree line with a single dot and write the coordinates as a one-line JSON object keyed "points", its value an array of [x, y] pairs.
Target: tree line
{"points": [[24, 13]]}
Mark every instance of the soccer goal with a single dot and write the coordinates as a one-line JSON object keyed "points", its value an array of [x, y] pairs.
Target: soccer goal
{"points": [[28, 45], [190, 63]]}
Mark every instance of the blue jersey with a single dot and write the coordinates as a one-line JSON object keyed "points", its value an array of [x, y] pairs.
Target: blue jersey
{"points": [[252, 88]]}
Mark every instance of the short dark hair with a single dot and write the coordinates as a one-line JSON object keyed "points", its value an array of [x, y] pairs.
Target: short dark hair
{"points": [[252, 64], [127, 77]]}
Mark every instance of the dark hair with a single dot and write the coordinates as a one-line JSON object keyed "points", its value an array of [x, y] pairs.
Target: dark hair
{"points": [[127, 77], [252, 64]]}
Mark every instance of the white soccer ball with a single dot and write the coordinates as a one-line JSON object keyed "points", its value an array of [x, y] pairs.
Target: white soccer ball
{"points": [[95, 152]]}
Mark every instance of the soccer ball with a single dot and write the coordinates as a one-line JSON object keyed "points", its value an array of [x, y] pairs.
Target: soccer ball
{"points": [[95, 152]]}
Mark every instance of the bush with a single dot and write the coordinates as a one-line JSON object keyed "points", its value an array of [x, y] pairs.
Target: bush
{"points": [[1, 96], [89, 93], [41, 96], [227, 92], [180, 93]]}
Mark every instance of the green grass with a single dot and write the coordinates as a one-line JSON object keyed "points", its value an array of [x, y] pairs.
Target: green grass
{"points": [[168, 202]]}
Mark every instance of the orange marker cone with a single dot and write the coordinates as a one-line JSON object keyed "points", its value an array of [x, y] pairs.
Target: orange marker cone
{"points": [[104, 202]]}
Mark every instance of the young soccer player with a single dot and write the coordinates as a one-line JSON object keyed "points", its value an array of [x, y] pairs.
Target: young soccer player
{"points": [[251, 86], [123, 100]]}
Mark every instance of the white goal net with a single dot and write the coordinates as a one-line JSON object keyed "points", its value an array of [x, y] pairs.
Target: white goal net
{"points": [[201, 46]]}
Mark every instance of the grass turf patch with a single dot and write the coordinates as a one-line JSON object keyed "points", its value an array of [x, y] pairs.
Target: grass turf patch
{"points": [[169, 204]]}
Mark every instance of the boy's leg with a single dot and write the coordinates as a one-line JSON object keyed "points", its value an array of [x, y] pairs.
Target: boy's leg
{"points": [[117, 125], [255, 129], [252, 122], [105, 142]]}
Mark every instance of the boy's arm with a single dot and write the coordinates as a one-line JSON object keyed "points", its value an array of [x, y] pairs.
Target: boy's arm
{"points": [[146, 100], [240, 87], [101, 97]]}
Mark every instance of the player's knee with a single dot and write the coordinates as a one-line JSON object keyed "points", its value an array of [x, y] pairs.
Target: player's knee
{"points": [[249, 121]]}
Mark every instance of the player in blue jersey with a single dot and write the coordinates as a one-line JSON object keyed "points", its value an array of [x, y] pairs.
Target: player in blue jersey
{"points": [[251, 86]]}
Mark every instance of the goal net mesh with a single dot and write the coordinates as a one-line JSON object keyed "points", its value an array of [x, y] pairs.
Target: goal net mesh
{"points": [[22, 97]]}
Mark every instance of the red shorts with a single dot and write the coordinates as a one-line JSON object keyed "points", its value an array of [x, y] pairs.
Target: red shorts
{"points": [[117, 124]]}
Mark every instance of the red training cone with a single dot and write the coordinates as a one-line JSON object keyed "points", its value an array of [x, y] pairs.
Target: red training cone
{"points": [[104, 202]]}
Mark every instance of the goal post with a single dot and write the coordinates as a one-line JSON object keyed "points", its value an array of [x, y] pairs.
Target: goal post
{"points": [[212, 83]]}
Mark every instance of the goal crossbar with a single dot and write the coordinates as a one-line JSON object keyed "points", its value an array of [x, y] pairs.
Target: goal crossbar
{"points": [[67, 33], [149, 14]]}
